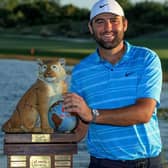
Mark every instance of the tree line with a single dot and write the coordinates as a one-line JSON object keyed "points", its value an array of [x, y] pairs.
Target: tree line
{"points": [[143, 17]]}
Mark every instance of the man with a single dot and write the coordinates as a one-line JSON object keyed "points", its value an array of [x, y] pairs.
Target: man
{"points": [[116, 90]]}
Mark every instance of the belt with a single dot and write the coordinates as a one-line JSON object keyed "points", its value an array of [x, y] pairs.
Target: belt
{"points": [[138, 163]]}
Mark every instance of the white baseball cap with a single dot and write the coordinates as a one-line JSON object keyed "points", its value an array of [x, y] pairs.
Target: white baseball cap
{"points": [[106, 6]]}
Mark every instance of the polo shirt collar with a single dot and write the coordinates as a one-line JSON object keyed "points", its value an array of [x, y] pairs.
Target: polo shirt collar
{"points": [[124, 58]]}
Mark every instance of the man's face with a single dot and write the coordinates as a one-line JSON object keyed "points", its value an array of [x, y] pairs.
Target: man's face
{"points": [[108, 30]]}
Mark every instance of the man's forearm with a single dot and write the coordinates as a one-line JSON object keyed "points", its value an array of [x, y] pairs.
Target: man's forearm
{"points": [[138, 113]]}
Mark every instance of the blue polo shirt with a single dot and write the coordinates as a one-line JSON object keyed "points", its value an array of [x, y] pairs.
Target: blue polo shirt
{"points": [[105, 86]]}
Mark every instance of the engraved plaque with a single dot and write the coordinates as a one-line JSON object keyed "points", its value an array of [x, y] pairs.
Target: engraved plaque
{"points": [[62, 157], [17, 161], [62, 163], [40, 162], [18, 158], [40, 137], [17, 164]]}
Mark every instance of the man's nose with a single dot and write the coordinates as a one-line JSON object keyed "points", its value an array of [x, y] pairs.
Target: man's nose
{"points": [[108, 25]]}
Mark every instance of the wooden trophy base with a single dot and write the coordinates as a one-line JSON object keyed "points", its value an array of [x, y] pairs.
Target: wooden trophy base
{"points": [[42, 150]]}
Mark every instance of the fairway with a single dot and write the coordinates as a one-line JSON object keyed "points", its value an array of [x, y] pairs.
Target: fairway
{"points": [[46, 46], [72, 48]]}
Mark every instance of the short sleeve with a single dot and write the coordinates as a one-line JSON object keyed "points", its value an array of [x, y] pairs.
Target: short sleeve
{"points": [[150, 84]]}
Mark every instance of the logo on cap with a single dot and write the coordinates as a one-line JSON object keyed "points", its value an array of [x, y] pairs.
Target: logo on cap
{"points": [[102, 6]]}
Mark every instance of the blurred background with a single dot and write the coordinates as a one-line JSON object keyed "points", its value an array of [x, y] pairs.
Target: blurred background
{"points": [[69, 17], [58, 28]]}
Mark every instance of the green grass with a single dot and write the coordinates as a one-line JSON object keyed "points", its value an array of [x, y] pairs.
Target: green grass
{"points": [[45, 47], [49, 47], [163, 113], [21, 45]]}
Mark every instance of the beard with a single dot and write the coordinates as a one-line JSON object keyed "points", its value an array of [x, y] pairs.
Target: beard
{"points": [[111, 44]]}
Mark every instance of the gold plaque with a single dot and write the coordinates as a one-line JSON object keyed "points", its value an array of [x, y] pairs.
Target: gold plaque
{"points": [[40, 137], [18, 158], [17, 164], [62, 163], [63, 157], [17, 161], [40, 162]]}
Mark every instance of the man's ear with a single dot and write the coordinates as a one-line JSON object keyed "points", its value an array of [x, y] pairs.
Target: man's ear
{"points": [[90, 27], [125, 24]]}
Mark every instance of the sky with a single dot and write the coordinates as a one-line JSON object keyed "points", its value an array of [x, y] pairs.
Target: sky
{"points": [[88, 3]]}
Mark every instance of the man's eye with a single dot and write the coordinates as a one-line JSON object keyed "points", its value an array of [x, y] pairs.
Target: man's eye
{"points": [[114, 21], [99, 21]]}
